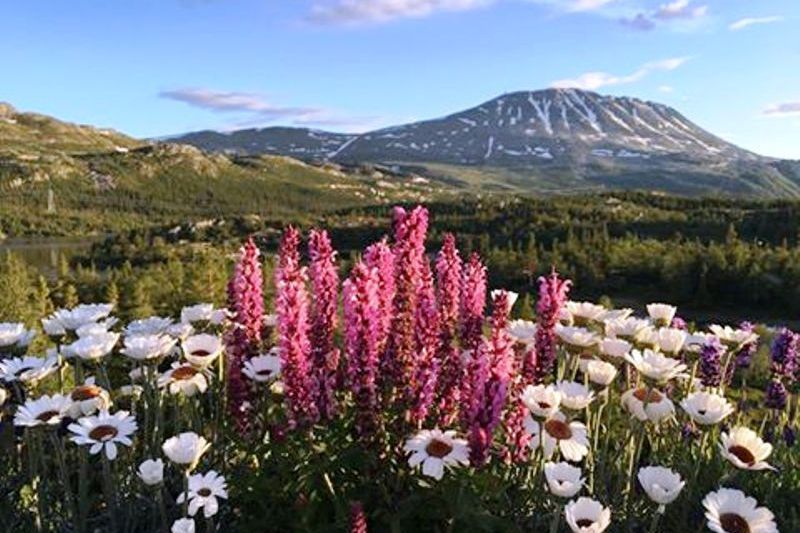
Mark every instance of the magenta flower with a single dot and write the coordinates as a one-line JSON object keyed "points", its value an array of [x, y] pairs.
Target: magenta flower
{"points": [[710, 366], [490, 384], [553, 293], [361, 300], [421, 390], [381, 257], [473, 302], [325, 356], [246, 301], [409, 247], [291, 308], [358, 519]]}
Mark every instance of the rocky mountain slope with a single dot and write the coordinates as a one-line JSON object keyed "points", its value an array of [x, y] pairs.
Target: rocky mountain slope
{"points": [[555, 139]]}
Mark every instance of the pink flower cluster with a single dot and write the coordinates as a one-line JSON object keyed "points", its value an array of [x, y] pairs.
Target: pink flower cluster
{"points": [[246, 302], [414, 352]]}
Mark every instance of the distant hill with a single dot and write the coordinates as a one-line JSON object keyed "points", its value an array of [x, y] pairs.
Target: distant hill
{"points": [[557, 140], [58, 178]]}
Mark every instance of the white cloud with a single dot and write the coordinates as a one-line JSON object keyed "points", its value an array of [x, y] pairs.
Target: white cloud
{"points": [[680, 9], [591, 81], [353, 12], [587, 5], [783, 109], [751, 21], [254, 110], [665, 89]]}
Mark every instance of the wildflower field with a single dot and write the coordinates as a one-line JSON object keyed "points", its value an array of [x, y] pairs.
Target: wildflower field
{"points": [[396, 396]]}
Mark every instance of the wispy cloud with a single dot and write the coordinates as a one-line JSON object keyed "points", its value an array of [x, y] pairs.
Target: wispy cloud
{"points": [[665, 88], [357, 12], [752, 21], [680, 9], [783, 109], [594, 80], [253, 109]]}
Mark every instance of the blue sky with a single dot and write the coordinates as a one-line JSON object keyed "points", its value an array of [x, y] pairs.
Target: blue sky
{"points": [[158, 67]]}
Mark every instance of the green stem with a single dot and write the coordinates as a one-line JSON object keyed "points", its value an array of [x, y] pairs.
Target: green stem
{"points": [[111, 495]]}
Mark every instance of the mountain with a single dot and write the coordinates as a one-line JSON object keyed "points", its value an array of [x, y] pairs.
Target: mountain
{"points": [[552, 140]]}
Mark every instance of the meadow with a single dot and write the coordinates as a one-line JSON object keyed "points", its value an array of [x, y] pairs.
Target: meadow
{"points": [[403, 385]]}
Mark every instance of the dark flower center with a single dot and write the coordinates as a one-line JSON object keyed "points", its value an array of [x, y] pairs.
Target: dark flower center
{"points": [[743, 454], [558, 430], [103, 433], [264, 372], [733, 523], [183, 372], [205, 492], [584, 522], [651, 396], [86, 392], [438, 448], [22, 370], [201, 353], [47, 416], [544, 405]]}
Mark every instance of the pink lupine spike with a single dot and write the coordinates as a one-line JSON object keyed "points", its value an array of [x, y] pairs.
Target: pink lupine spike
{"points": [[553, 294], [325, 356], [381, 257], [490, 385], [409, 247], [291, 308], [246, 302], [358, 518], [421, 391], [449, 275], [473, 302], [360, 294]]}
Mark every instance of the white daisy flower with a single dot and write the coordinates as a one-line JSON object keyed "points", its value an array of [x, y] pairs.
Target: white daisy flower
{"points": [[569, 438], [625, 328], [133, 391], [523, 331], [28, 369], [43, 411], [180, 331], [104, 431], [706, 408], [745, 449], [183, 525], [696, 341], [731, 511], [87, 399], [577, 339], [184, 379], [661, 484], [615, 347], [601, 373], [655, 366], [733, 337], [185, 449], [563, 479], [151, 472], [671, 340], [584, 313], [72, 319], [93, 347], [3, 396], [512, 296], [13, 334], [542, 400], [661, 314], [657, 407], [574, 395], [53, 327], [147, 347], [204, 489], [647, 338], [197, 313], [586, 515], [434, 450], [154, 325], [263, 368], [615, 314], [202, 350], [95, 328]]}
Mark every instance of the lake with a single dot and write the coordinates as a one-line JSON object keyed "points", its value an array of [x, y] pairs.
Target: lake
{"points": [[43, 253]]}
